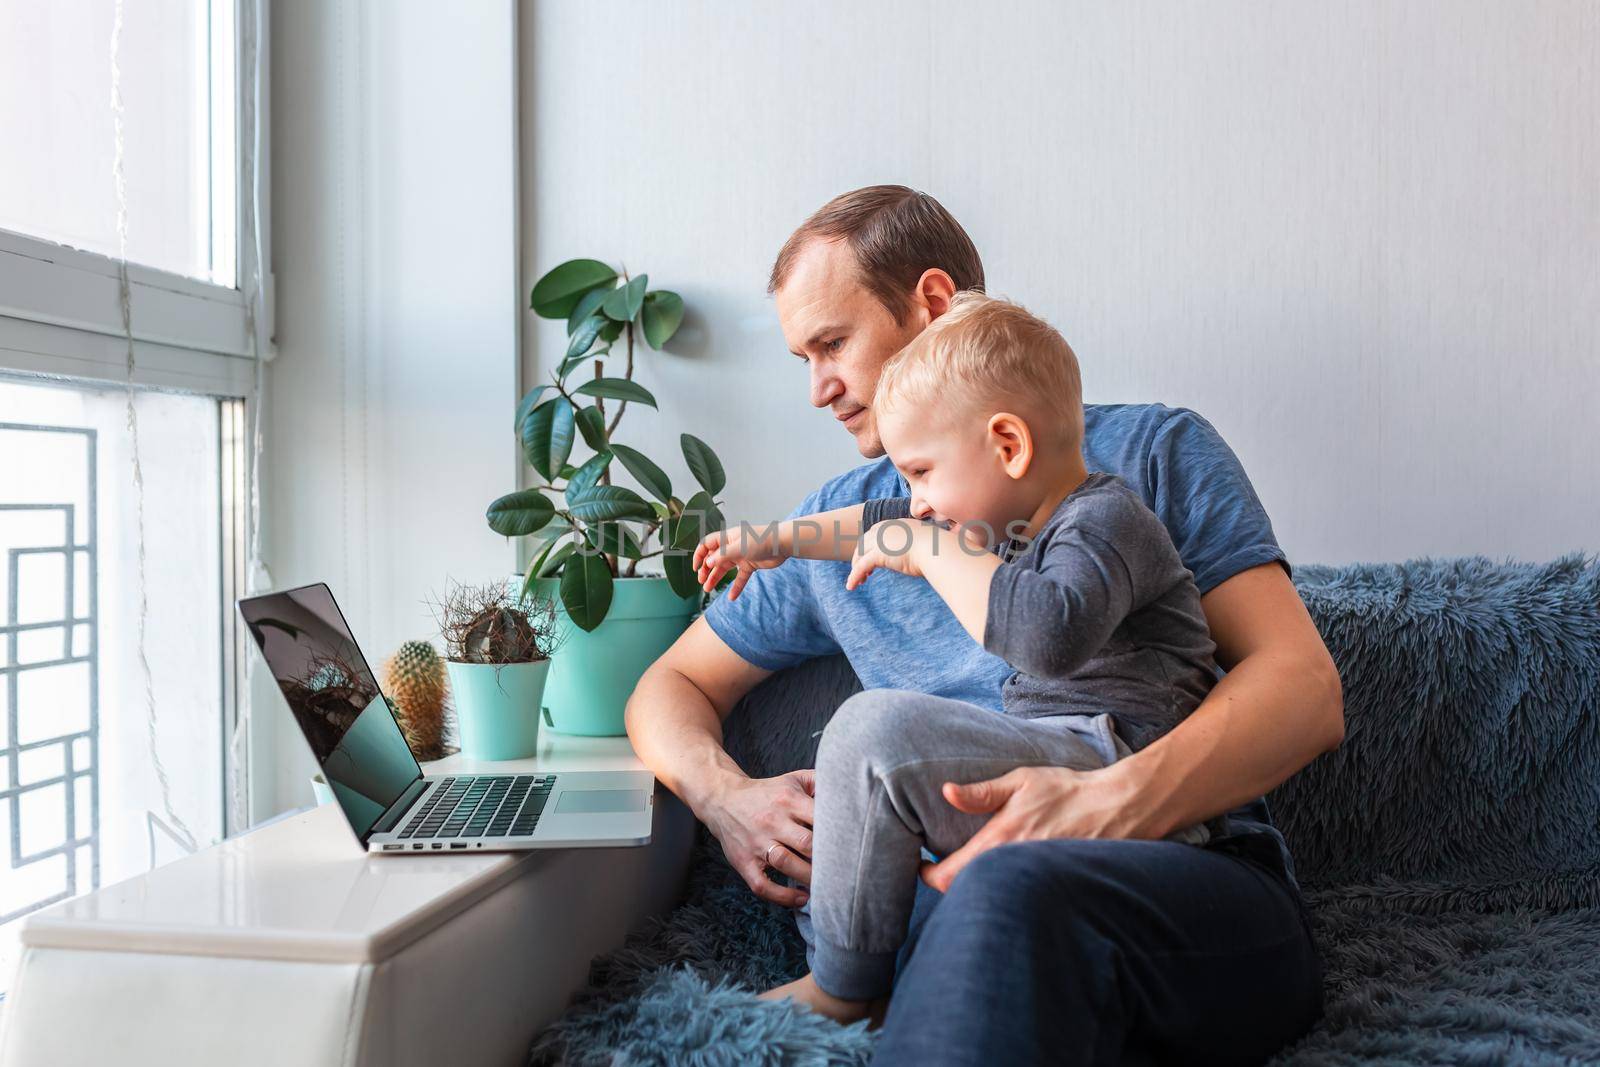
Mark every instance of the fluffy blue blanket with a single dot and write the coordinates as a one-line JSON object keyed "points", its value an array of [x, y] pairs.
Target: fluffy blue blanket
{"points": [[1450, 849]]}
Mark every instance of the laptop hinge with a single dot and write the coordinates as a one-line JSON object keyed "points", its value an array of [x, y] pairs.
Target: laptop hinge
{"points": [[397, 810]]}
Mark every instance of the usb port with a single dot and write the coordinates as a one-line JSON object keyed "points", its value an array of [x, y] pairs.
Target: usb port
{"points": [[458, 844]]}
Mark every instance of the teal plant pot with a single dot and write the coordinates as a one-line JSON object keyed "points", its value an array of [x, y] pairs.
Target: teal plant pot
{"points": [[592, 674], [497, 707]]}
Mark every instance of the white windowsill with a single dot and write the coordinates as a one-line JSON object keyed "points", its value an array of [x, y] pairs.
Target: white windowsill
{"points": [[303, 889]]}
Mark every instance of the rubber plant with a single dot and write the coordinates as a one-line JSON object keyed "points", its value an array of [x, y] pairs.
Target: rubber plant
{"points": [[589, 532]]}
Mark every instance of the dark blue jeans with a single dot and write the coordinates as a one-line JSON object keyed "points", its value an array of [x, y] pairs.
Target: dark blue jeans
{"points": [[1107, 952]]}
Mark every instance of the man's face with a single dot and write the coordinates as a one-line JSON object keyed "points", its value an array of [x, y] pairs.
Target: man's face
{"points": [[844, 334]]}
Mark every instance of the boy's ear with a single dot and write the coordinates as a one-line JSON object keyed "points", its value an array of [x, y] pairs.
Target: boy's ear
{"points": [[1013, 443]]}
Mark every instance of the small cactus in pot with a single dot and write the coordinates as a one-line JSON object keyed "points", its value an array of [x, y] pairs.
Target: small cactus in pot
{"points": [[497, 655], [415, 680]]}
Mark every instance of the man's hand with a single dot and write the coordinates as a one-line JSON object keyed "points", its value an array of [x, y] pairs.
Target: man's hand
{"points": [[1032, 804], [766, 822]]}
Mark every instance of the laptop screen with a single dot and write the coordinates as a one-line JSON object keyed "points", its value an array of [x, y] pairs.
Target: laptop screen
{"points": [[335, 699]]}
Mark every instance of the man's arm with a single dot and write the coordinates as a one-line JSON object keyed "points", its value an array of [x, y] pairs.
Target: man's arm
{"points": [[1279, 707], [674, 721]]}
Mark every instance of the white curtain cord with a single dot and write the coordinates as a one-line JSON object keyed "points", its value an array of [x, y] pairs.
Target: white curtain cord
{"points": [[173, 824]]}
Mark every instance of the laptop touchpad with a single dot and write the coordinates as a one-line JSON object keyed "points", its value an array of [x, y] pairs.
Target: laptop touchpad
{"points": [[585, 801]]}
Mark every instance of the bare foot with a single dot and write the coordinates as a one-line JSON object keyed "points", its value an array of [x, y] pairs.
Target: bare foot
{"points": [[805, 992]]}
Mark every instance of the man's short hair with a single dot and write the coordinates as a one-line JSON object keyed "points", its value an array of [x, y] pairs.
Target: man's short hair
{"points": [[896, 234], [991, 355]]}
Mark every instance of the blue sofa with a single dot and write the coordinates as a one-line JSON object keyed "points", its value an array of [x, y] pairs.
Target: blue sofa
{"points": [[1449, 850]]}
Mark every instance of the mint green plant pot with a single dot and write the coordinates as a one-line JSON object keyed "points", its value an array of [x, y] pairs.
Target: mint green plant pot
{"points": [[497, 707], [593, 674]]}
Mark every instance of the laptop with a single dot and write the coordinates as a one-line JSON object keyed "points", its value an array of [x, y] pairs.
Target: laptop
{"points": [[390, 804]]}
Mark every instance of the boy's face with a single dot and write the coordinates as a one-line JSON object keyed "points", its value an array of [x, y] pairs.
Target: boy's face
{"points": [[843, 333], [951, 462]]}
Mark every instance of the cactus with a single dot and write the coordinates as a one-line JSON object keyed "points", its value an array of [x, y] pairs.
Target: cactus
{"points": [[415, 678], [498, 634]]}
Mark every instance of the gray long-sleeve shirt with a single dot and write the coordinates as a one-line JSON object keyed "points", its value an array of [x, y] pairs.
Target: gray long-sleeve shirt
{"points": [[1096, 614]]}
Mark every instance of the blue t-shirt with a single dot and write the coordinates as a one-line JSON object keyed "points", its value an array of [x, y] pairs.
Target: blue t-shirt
{"points": [[898, 633]]}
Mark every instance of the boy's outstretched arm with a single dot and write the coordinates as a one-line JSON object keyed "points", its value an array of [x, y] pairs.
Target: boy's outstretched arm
{"points": [[831, 535], [825, 535]]}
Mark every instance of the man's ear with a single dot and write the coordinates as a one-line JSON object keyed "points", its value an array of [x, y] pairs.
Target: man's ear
{"points": [[934, 291], [1013, 443]]}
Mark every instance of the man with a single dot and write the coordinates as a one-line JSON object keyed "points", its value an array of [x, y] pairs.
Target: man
{"points": [[1085, 938]]}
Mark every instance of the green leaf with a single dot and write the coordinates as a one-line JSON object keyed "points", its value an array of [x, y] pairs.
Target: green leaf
{"points": [[520, 513], [587, 305], [700, 517], [645, 472], [663, 314], [703, 464], [537, 568], [557, 558], [609, 503], [592, 425], [586, 590], [529, 402], [572, 363], [616, 389], [680, 535], [558, 292], [547, 436], [583, 339], [624, 302], [587, 476], [610, 331], [614, 539], [679, 569], [554, 530]]}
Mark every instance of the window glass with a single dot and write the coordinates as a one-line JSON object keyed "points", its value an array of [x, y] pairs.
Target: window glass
{"points": [[175, 60]]}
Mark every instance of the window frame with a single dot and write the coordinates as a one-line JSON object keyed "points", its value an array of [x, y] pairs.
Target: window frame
{"points": [[61, 318], [61, 310]]}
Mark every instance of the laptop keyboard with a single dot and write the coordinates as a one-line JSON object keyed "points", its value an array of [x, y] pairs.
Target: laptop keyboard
{"points": [[482, 806]]}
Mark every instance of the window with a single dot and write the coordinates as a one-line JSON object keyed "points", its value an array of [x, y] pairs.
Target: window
{"points": [[81, 802], [173, 66], [122, 125], [132, 309]]}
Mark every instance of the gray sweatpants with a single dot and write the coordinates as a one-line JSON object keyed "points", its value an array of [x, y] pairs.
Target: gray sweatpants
{"points": [[883, 759]]}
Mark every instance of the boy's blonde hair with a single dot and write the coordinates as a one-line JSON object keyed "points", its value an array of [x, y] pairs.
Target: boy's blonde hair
{"points": [[989, 353]]}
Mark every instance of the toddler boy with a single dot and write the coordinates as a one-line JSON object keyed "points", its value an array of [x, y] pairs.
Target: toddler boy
{"points": [[1063, 573]]}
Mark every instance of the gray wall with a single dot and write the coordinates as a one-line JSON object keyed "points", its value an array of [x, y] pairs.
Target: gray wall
{"points": [[1363, 239], [394, 229]]}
